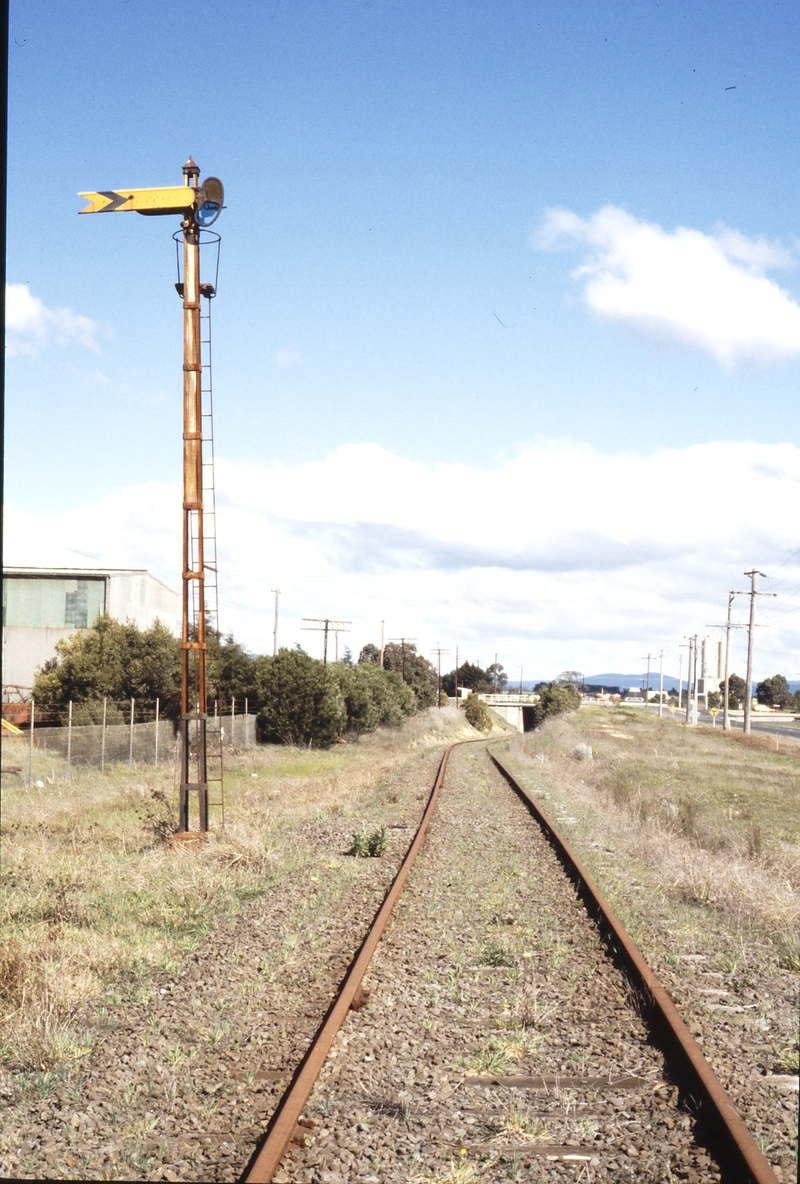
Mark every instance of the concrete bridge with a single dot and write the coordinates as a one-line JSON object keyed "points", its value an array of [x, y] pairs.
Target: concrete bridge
{"points": [[515, 709]]}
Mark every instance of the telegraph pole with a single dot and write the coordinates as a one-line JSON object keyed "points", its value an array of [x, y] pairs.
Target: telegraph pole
{"points": [[199, 207], [660, 683], [382, 646], [748, 690], [439, 651], [455, 681], [326, 625], [680, 679], [648, 655], [690, 647], [277, 592], [726, 715], [403, 641]]}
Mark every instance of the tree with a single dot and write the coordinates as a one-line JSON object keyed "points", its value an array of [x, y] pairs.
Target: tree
{"points": [[554, 699], [301, 700], [497, 676], [416, 671], [736, 691], [113, 661], [469, 675], [369, 653], [571, 678], [231, 671], [774, 692]]}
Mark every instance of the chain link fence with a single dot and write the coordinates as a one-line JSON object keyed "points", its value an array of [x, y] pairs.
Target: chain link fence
{"points": [[154, 742]]}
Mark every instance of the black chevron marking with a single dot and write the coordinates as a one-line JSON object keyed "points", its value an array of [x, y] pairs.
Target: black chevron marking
{"points": [[116, 199]]}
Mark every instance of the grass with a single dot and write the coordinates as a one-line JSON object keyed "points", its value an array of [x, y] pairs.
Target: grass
{"points": [[95, 903], [715, 816]]}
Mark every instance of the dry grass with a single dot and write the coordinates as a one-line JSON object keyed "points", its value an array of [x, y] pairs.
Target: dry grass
{"points": [[716, 817], [94, 899]]}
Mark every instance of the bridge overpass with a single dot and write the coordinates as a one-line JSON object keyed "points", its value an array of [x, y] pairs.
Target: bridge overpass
{"points": [[515, 709]]}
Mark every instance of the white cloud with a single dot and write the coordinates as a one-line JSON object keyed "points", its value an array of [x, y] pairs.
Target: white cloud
{"points": [[288, 356], [562, 558], [705, 290], [31, 326]]}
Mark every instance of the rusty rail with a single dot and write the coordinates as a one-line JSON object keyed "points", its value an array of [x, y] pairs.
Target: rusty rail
{"points": [[268, 1155], [739, 1143]]}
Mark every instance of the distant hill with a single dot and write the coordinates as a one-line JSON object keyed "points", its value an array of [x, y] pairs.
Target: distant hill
{"points": [[631, 680]]}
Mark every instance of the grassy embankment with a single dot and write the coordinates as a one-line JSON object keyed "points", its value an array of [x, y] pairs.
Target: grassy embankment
{"points": [[93, 897], [706, 822]]}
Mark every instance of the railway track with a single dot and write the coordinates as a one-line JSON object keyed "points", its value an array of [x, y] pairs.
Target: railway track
{"points": [[507, 1028]]}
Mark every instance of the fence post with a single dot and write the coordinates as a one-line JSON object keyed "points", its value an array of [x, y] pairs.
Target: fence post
{"points": [[103, 737], [130, 742], [158, 701], [233, 719], [69, 741], [245, 723], [30, 758]]}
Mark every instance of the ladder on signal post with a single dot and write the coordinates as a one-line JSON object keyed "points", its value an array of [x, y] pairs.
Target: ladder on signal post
{"points": [[214, 744]]}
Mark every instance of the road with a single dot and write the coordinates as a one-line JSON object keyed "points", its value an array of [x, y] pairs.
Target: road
{"points": [[756, 724]]}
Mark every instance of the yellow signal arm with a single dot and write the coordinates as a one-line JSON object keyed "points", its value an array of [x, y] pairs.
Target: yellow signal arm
{"points": [[170, 200]]}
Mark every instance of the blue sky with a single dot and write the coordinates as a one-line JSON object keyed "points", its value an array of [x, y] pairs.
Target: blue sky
{"points": [[415, 258]]}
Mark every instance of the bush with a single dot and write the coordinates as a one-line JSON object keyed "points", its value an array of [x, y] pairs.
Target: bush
{"points": [[583, 752], [373, 697], [365, 846], [444, 699], [554, 699], [302, 701], [477, 714]]}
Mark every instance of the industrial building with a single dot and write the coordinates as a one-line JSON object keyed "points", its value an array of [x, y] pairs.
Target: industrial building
{"points": [[42, 605]]}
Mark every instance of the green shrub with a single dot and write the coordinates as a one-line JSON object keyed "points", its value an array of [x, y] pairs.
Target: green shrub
{"points": [[373, 697], [365, 846], [477, 714], [554, 699], [302, 701]]}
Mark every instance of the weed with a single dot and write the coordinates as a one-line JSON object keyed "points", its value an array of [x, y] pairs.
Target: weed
{"points": [[490, 1060], [365, 846], [495, 954], [521, 1124]]}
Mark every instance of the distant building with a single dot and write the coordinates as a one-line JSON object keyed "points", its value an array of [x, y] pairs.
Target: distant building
{"points": [[42, 605]]}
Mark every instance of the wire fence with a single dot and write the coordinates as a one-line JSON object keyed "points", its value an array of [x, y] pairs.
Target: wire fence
{"points": [[149, 742]]}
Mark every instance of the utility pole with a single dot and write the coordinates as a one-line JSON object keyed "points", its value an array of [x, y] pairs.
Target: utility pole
{"points": [[520, 680], [199, 206], [748, 690], [277, 592], [690, 647], [726, 716], [403, 641], [680, 679], [495, 674], [648, 655], [325, 625], [336, 631], [439, 651], [455, 680], [382, 647], [660, 683]]}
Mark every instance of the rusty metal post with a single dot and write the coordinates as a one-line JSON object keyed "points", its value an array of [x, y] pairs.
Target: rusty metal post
{"points": [[193, 632]]}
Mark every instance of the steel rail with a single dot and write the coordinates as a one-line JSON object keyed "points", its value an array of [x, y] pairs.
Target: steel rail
{"points": [[266, 1158], [739, 1142]]}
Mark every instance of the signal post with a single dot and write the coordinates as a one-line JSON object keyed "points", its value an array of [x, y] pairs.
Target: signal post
{"points": [[199, 206]]}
